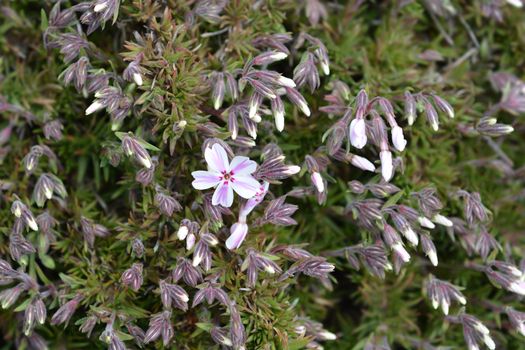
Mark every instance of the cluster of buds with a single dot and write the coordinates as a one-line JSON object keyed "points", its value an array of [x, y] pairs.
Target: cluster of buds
{"points": [[70, 44], [223, 84], [256, 262], [443, 293], [22, 212], [90, 230], [114, 101], [474, 332], [313, 266], [506, 275], [473, 209], [209, 292], [278, 212], [31, 160], [66, 311], [191, 275], [513, 93], [202, 253], [273, 167], [430, 104], [166, 203], [187, 231], [34, 314], [173, 295], [46, 185], [133, 73], [132, 277], [431, 205], [160, 326], [53, 130], [76, 73], [133, 147], [98, 12], [19, 246], [517, 319], [314, 330], [486, 126], [493, 8], [358, 129]]}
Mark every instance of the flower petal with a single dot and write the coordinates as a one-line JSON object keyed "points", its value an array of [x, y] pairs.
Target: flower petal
{"points": [[205, 179], [242, 166], [217, 158], [237, 236], [245, 186], [223, 195]]}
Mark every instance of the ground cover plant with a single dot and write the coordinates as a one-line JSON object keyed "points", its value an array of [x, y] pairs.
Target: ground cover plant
{"points": [[262, 174]]}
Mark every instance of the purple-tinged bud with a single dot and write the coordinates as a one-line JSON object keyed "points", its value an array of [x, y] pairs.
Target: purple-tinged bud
{"points": [[88, 325], [173, 295], [297, 99], [410, 108], [209, 293], [66, 311], [160, 326], [137, 248], [76, 73], [9, 296], [166, 204], [269, 57], [53, 130], [132, 148], [132, 277], [430, 249], [132, 73], [356, 187], [145, 176], [20, 210], [218, 89], [443, 105], [237, 332], [185, 270], [432, 116], [517, 319], [220, 336], [443, 293]]}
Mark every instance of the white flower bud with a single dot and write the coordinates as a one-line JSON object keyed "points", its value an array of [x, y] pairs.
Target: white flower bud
{"points": [[398, 139], [190, 241], [318, 182], [423, 221], [362, 163], [95, 106], [182, 232], [442, 220], [358, 137], [137, 78], [387, 167]]}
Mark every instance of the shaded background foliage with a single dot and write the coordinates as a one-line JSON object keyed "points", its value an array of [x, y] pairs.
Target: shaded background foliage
{"points": [[380, 46]]}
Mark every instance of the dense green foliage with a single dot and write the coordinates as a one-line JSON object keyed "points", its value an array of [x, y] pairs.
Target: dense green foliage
{"points": [[383, 47]]}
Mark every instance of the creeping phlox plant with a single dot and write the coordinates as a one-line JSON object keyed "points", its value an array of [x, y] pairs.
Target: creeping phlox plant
{"points": [[269, 174]]}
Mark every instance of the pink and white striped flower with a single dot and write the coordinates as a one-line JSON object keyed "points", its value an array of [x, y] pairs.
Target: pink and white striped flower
{"points": [[226, 177]]}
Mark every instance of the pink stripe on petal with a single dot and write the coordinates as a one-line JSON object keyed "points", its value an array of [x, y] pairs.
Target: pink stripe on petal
{"points": [[242, 166], [237, 236], [223, 195], [205, 179], [217, 158], [245, 186]]}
